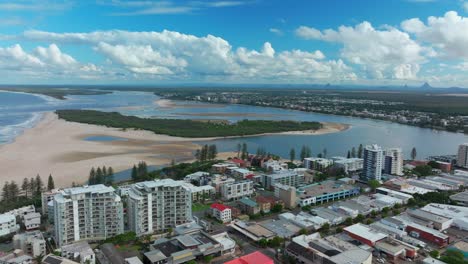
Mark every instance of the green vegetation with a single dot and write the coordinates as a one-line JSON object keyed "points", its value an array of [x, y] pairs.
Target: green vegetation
{"points": [[101, 176], [185, 128], [434, 254], [56, 92], [122, 239], [422, 170], [273, 243], [206, 153], [15, 196], [452, 256], [373, 184], [179, 171], [197, 207]]}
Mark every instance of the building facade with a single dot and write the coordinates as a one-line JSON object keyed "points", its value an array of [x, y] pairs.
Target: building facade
{"points": [[32, 243], [373, 162], [237, 190], [156, 206], [290, 178], [394, 161], [462, 157], [221, 212], [87, 213], [8, 224]]}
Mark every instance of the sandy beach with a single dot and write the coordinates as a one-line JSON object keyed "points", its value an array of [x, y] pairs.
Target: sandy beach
{"points": [[58, 147]]}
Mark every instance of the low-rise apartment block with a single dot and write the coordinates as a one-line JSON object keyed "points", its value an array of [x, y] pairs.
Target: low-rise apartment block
{"points": [[8, 224], [80, 252], [349, 165], [237, 190], [221, 212], [32, 243], [290, 178], [318, 164]]}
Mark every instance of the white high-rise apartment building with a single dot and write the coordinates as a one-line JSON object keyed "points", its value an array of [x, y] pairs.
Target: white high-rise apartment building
{"points": [[373, 162], [87, 213], [155, 206], [462, 158], [394, 161]]}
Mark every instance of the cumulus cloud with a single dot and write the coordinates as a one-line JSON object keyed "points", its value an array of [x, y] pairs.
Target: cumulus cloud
{"points": [[187, 57], [42, 62], [385, 53], [448, 34]]}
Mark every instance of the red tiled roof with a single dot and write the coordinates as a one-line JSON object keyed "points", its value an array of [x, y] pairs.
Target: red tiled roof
{"points": [[265, 199], [256, 257], [219, 207], [236, 160]]}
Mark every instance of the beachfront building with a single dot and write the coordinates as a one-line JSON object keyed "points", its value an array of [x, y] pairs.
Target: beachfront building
{"points": [[348, 165], [46, 198], [287, 194], [200, 193], [156, 206], [237, 190], [8, 224], [319, 164], [373, 162], [394, 161], [462, 157], [290, 178], [87, 213], [32, 243]]}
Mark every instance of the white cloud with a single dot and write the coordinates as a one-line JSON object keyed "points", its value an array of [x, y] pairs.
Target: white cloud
{"points": [[276, 31], [181, 57], [385, 53], [31, 5], [134, 8], [42, 62], [448, 34]]}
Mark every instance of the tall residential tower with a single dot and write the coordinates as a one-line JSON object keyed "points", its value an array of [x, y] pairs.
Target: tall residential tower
{"points": [[373, 162], [155, 206], [87, 213]]}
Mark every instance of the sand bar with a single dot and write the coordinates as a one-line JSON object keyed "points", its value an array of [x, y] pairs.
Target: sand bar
{"points": [[57, 147]]}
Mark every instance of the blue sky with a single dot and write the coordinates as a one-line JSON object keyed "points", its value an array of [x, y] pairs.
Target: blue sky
{"points": [[388, 42]]}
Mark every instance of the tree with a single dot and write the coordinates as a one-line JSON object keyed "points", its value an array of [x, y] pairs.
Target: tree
{"points": [[360, 151], [32, 186], [325, 228], [353, 152], [348, 221], [292, 154], [92, 176], [239, 147], [263, 243], [359, 218], [198, 155], [110, 176], [374, 184], [413, 154], [39, 185], [244, 154], [434, 254], [339, 229], [369, 221], [104, 171], [305, 152], [25, 187], [99, 176], [348, 155], [208, 259], [13, 190], [50, 183], [325, 152], [134, 173], [212, 151], [277, 208], [423, 170], [6, 192]]}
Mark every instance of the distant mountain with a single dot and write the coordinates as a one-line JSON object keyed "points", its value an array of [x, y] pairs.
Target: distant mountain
{"points": [[426, 86]]}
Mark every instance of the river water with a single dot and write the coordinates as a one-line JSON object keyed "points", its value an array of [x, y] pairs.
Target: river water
{"points": [[19, 111]]}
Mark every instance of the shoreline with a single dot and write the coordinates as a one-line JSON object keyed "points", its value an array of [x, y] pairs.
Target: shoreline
{"points": [[58, 147]]}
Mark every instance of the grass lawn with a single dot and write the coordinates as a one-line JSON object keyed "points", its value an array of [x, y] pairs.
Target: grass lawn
{"points": [[127, 248], [197, 207]]}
